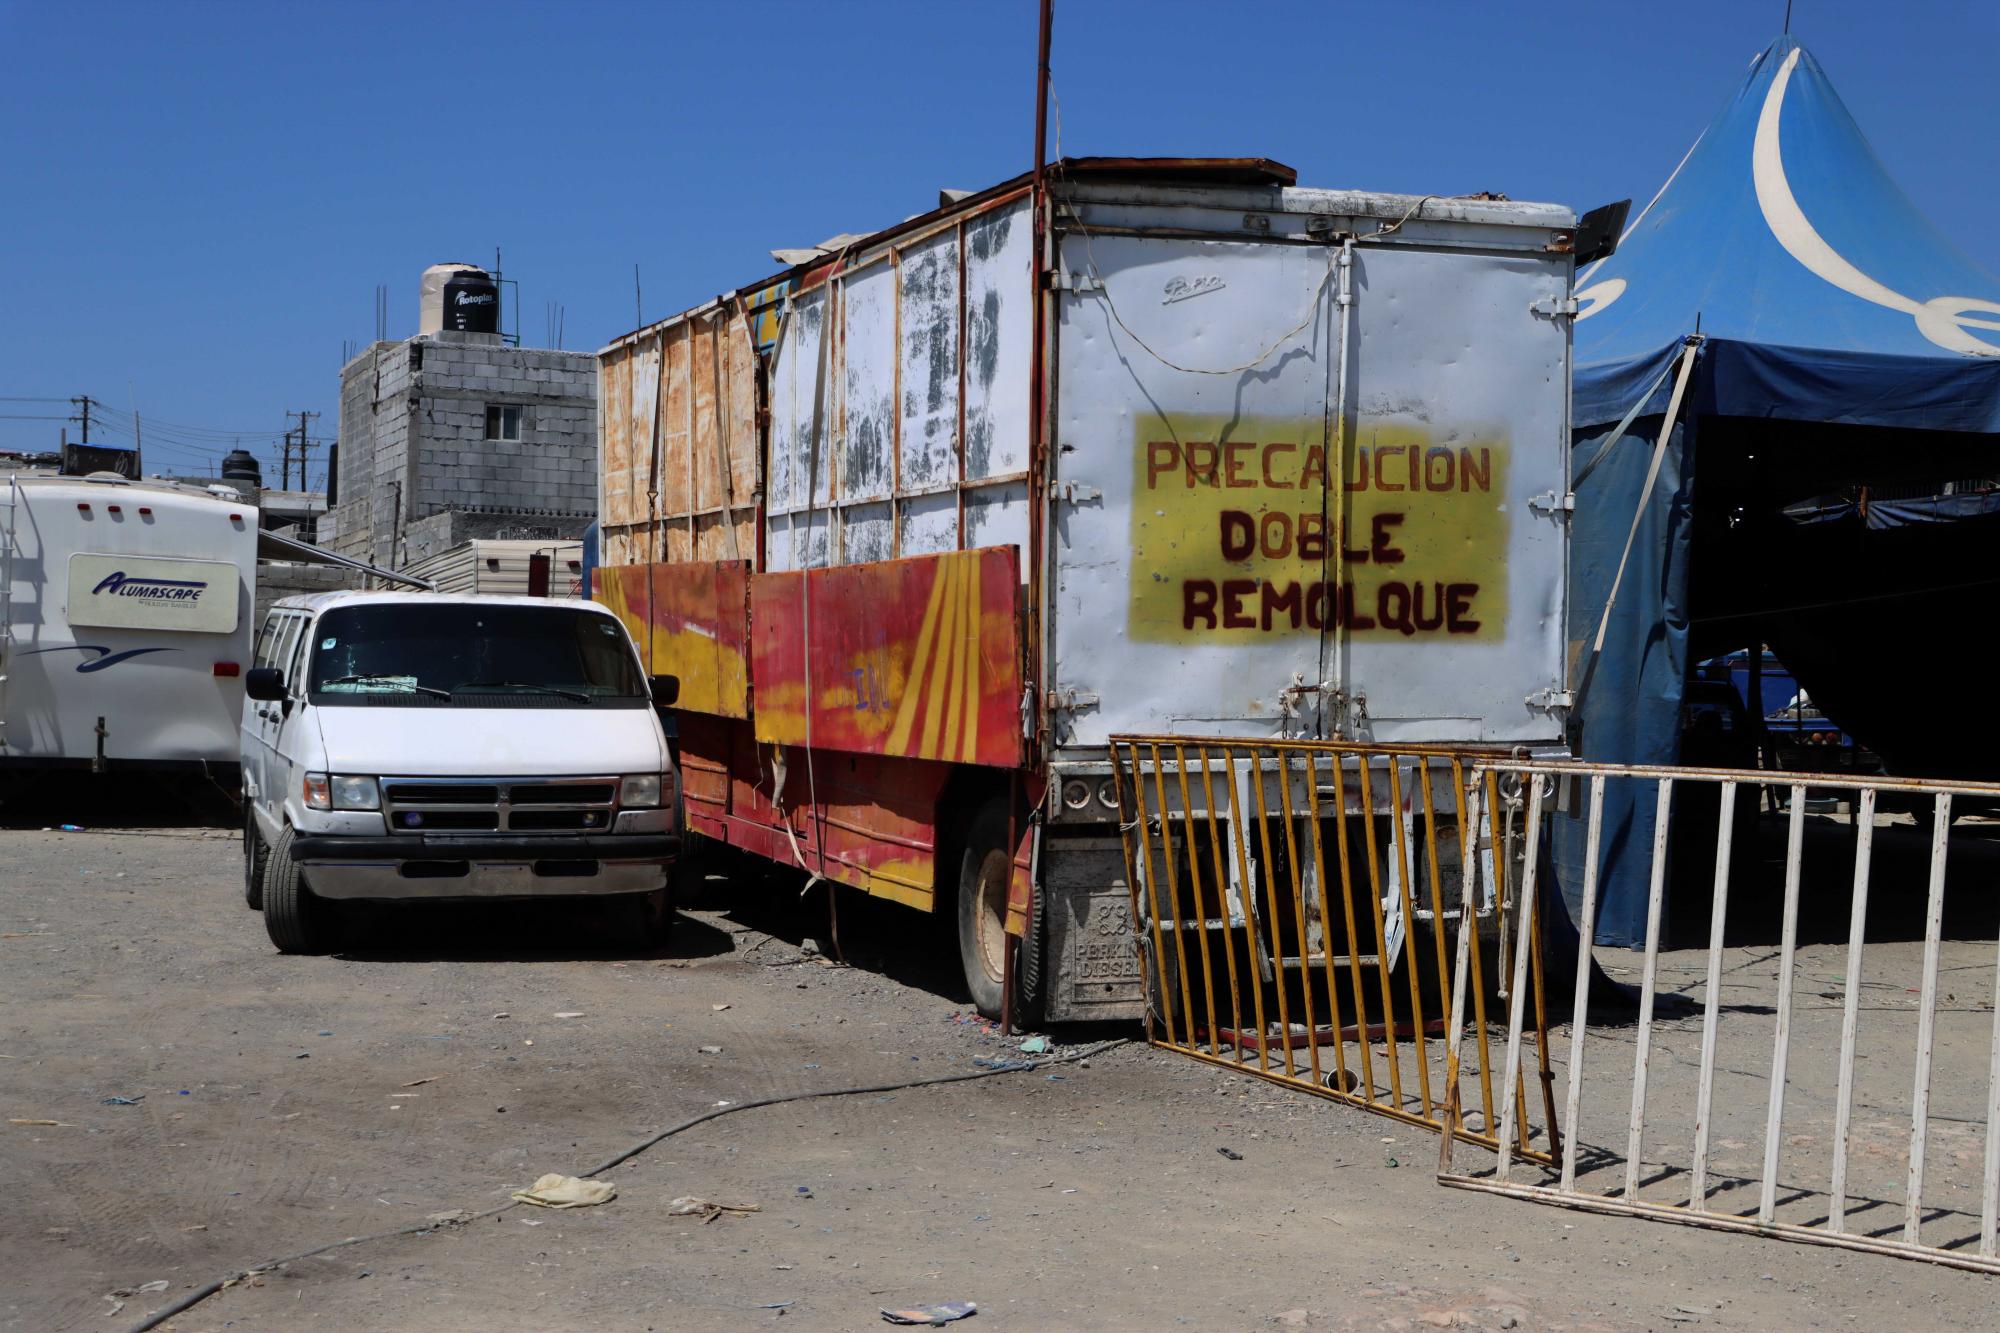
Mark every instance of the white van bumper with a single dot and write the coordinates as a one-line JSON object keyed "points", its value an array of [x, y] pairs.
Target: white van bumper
{"points": [[407, 866]]}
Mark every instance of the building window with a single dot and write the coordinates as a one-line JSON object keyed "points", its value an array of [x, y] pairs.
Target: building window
{"points": [[502, 423]]}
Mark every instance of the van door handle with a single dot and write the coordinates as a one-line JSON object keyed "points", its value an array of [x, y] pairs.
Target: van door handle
{"points": [[264, 714]]}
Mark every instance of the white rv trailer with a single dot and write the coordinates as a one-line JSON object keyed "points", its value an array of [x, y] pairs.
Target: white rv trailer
{"points": [[124, 624]]}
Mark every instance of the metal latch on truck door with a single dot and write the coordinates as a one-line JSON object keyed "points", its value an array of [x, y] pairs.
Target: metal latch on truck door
{"points": [[1069, 701], [1077, 492], [1551, 503], [1553, 307], [1552, 700], [1063, 280]]}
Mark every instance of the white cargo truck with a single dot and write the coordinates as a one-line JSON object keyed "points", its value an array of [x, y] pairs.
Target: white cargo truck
{"points": [[1156, 447]]}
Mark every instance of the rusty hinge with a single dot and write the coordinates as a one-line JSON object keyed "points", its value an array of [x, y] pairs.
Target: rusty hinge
{"points": [[1553, 307], [1552, 700], [1076, 492], [1063, 280], [1551, 503], [1069, 701]]}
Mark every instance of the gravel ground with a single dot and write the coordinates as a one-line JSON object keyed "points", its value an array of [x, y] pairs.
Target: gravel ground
{"points": [[450, 1057]]}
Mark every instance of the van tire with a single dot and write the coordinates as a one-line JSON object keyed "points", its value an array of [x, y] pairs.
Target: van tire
{"points": [[296, 919], [255, 857], [652, 915]]}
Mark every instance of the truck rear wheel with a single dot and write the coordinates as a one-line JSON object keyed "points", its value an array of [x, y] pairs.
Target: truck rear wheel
{"points": [[984, 872], [255, 857], [294, 917]]}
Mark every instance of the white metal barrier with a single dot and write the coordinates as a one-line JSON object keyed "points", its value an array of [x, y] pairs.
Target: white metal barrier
{"points": [[1812, 1116]]}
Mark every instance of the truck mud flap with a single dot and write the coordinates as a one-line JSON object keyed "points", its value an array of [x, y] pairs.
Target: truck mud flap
{"points": [[1096, 971]]}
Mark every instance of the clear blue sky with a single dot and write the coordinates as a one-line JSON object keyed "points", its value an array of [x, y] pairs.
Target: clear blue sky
{"points": [[198, 200]]}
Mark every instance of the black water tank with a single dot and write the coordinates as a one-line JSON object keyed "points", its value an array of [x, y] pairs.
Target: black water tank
{"points": [[472, 302], [241, 465]]}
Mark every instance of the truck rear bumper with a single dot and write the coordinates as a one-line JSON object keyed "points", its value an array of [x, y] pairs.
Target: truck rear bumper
{"points": [[425, 866]]}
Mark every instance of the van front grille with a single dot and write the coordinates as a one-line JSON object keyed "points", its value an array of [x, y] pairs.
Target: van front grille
{"points": [[501, 805]]}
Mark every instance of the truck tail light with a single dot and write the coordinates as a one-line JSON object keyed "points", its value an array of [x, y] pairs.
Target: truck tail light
{"points": [[230, 669]]}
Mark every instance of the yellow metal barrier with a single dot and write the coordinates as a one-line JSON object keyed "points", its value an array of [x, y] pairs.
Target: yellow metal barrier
{"points": [[1291, 900]]}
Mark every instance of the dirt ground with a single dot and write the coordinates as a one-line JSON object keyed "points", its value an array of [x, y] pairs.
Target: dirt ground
{"points": [[450, 1056]]}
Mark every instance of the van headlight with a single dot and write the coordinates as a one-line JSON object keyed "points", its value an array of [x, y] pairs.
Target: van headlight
{"points": [[355, 793], [340, 792], [640, 791]]}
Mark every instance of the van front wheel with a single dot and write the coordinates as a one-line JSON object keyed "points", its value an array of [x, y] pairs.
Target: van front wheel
{"points": [[255, 857], [296, 919]]}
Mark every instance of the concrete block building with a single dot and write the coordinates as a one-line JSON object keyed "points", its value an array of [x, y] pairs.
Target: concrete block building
{"points": [[454, 434]]}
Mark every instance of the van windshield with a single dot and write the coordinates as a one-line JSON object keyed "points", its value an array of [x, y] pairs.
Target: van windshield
{"points": [[473, 656]]}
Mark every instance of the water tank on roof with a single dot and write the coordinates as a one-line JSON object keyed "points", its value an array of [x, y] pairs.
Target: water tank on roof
{"points": [[241, 465], [461, 298]]}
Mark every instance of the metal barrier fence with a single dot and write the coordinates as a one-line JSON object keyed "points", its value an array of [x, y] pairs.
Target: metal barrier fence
{"points": [[1259, 960], [1767, 1106]]}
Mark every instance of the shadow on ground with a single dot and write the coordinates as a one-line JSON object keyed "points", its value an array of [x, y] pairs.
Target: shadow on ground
{"points": [[55, 798]]}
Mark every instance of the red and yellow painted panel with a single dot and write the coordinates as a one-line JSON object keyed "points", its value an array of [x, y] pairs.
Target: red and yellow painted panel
{"points": [[916, 658], [690, 621], [874, 826]]}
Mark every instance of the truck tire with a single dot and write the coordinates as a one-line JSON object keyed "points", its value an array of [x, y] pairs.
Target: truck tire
{"points": [[984, 871], [255, 857], [296, 920]]}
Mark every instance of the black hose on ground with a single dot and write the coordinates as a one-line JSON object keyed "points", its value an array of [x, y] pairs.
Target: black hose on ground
{"points": [[201, 1294]]}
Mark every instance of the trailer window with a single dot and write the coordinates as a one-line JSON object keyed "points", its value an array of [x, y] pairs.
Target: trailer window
{"points": [[473, 655]]}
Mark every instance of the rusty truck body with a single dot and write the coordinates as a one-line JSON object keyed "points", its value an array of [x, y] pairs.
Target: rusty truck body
{"points": [[1166, 447]]}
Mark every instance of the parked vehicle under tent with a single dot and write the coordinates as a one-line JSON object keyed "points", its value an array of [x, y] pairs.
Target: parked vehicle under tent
{"points": [[1787, 401]]}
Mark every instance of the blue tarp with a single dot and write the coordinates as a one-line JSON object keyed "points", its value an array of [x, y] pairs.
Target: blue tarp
{"points": [[1821, 294]]}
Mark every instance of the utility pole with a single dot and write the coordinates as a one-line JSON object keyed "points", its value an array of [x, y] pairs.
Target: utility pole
{"points": [[305, 419], [83, 403]]}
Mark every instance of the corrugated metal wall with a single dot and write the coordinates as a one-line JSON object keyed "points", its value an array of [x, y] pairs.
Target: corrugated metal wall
{"points": [[499, 567]]}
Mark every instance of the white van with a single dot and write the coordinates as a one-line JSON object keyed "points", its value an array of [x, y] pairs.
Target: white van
{"points": [[404, 746]]}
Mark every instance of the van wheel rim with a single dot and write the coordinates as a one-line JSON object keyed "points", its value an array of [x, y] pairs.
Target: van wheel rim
{"points": [[990, 923]]}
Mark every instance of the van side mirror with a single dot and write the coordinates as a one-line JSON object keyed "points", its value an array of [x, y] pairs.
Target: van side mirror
{"points": [[264, 683], [666, 689]]}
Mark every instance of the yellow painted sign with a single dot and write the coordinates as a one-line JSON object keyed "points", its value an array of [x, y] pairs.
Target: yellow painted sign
{"points": [[1243, 528]]}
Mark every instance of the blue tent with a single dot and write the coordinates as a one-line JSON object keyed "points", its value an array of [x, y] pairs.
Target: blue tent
{"points": [[1817, 309]]}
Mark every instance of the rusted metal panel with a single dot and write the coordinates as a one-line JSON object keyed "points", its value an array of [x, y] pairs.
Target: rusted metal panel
{"points": [[690, 620], [912, 419], [916, 658], [860, 820], [681, 462], [999, 321], [930, 401], [803, 386]]}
